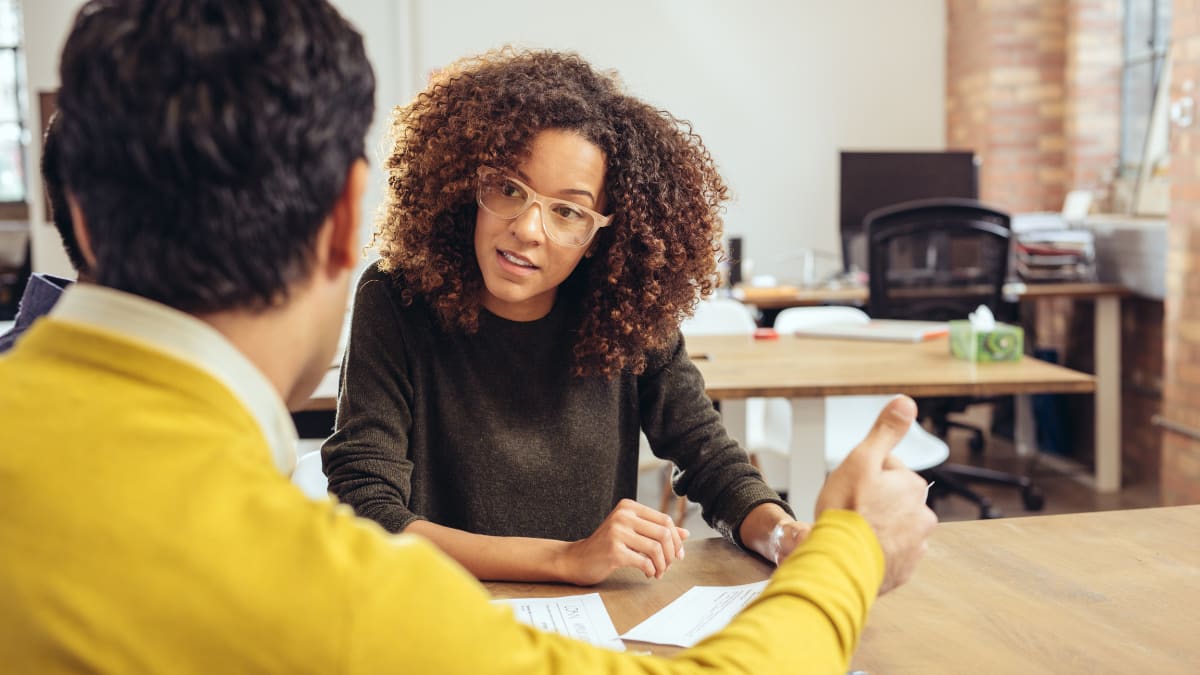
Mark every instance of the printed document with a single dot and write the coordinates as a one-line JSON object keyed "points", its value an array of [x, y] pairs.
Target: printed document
{"points": [[695, 615], [582, 617]]}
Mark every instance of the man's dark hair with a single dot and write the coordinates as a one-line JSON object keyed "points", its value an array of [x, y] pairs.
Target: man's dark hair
{"points": [[207, 140], [60, 211]]}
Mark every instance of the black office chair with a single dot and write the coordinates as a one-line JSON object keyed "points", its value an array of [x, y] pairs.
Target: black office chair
{"points": [[937, 260]]}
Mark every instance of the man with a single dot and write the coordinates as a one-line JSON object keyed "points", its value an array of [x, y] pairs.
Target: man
{"points": [[212, 155], [43, 290]]}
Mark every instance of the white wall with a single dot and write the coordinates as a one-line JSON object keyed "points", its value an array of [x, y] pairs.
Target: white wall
{"points": [[46, 25], [774, 88]]}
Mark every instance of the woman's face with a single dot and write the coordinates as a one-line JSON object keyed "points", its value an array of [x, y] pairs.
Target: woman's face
{"points": [[522, 268]]}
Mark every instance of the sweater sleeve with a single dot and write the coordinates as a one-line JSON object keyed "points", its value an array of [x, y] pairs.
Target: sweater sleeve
{"points": [[367, 459], [682, 426], [415, 611]]}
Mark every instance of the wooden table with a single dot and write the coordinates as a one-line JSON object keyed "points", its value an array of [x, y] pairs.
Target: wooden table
{"points": [[1113, 592], [630, 597], [1106, 331], [806, 370], [785, 297]]}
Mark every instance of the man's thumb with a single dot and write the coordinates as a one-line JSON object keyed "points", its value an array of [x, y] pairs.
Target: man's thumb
{"points": [[890, 427]]}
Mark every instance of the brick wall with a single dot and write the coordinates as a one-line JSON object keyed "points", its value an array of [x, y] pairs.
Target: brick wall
{"points": [[1034, 88], [1142, 389], [1092, 90], [1071, 324], [1181, 375], [1005, 80]]}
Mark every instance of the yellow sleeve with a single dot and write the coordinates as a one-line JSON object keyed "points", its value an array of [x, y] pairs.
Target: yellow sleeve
{"points": [[416, 611], [809, 617]]}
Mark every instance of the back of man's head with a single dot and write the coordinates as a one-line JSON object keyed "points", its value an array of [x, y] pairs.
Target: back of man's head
{"points": [[206, 141], [60, 211]]}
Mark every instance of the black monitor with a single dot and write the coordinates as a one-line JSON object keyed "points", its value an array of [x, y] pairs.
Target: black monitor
{"points": [[872, 180]]}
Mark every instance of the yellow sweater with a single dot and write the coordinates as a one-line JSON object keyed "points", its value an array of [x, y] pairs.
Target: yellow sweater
{"points": [[145, 529]]}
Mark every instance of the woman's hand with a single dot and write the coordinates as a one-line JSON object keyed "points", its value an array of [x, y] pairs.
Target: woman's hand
{"points": [[633, 535], [771, 532], [785, 537]]}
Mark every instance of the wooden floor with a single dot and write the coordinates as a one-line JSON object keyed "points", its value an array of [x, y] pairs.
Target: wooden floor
{"points": [[1064, 492], [1058, 480]]}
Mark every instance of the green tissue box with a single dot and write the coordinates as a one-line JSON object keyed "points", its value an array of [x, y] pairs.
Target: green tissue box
{"points": [[1005, 343]]}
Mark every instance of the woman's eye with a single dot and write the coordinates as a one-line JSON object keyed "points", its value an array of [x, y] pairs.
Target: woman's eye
{"points": [[568, 213], [511, 189]]}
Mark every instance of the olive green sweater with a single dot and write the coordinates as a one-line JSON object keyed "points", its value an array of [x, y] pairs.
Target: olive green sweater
{"points": [[490, 433]]}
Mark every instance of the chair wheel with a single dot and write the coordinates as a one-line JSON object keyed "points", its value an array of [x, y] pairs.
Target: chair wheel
{"points": [[988, 512], [1033, 499]]}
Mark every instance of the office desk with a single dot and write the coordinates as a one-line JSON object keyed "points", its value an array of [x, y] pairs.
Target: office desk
{"points": [[1106, 331], [806, 370], [785, 297], [1111, 592]]}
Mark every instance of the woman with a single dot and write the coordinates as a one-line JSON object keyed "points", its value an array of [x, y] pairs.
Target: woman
{"points": [[544, 235]]}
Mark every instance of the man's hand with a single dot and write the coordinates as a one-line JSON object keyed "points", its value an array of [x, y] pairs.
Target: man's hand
{"points": [[890, 497], [633, 535]]}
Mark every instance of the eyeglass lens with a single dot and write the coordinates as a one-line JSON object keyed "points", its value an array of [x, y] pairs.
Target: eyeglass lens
{"points": [[564, 221]]}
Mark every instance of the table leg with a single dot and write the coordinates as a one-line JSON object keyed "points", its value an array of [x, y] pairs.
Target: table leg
{"points": [[806, 470], [1026, 427], [1108, 393]]}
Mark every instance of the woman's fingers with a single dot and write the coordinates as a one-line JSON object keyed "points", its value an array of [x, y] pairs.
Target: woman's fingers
{"points": [[631, 558], [635, 535], [671, 536]]}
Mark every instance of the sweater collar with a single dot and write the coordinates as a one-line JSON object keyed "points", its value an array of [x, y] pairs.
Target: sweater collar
{"points": [[184, 337]]}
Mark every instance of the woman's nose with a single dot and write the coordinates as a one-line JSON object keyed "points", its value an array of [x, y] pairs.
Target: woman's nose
{"points": [[527, 226]]}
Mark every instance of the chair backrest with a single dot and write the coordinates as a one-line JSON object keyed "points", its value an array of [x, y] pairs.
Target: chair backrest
{"points": [[720, 316], [849, 418], [796, 318], [936, 259]]}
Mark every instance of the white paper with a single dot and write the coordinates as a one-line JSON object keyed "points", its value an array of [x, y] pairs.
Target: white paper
{"points": [[695, 615], [582, 617]]}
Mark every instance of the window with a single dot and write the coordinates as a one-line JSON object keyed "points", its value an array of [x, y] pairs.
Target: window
{"points": [[1146, 44]]}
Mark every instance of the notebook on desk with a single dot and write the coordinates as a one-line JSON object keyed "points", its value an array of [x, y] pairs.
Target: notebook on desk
{"points": [[887, 330]]}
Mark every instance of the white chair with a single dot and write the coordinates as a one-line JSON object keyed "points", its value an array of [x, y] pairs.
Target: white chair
{"points": [[719, 316], [309, 476], [847, 418], [746, 420]]}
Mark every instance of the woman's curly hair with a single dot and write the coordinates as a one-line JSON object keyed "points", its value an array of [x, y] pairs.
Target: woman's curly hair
{"points": [[647, 270]]}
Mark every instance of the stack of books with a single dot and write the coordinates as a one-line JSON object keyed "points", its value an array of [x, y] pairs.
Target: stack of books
{"points": [[1058, 255]]}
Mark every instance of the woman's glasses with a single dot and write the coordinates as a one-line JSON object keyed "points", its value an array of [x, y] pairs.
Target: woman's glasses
{"points": [[564, 222]]}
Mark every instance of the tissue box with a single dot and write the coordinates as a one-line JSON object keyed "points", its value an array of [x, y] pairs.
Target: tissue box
{"points": [[1004, 343]]}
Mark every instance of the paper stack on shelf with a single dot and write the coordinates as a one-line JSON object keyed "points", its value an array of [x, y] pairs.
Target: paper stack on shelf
{"points": [[1056, 255]]}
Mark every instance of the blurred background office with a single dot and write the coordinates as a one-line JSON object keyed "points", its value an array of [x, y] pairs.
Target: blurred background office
{"points": [[1051, 96]]}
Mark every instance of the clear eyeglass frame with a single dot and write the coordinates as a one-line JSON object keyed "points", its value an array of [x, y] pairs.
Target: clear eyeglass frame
{"points": [[553, 223]]}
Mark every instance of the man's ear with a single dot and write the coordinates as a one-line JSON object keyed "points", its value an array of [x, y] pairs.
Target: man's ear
{"points": [[79, 225], [345, 218]]}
